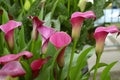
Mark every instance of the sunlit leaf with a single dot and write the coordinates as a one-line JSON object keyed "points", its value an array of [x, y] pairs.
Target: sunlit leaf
{"points": [[106, 72], [81, 62]]}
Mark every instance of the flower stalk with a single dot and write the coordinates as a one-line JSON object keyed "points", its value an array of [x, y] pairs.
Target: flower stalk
{"points": [[71, 58], [68, 6], [59, 40], [60, 73], [32, 45], [96, 65]]}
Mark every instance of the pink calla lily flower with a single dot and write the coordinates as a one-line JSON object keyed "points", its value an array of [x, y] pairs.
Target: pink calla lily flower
{"points": [[77, 19], [100, 36], [14, 57], [8, 29], [13, 69], [60, 39], [36, 65], [45, 32], [36, 23]]}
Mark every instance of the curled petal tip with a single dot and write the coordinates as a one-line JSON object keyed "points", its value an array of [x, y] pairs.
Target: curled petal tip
{"points": [[36, 21], [110, 29], [85, 15], [13, 57], [26, 54]]}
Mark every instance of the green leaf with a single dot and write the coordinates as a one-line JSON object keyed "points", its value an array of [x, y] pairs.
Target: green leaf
{"points": [[5, 51], [5, 17], [50, 50], [88, 6], [53, 62], [16, 47], [35, 48], [53, 52], [98, 7], [55, 56], [40, 16], [26, 66], [33, 9], [99, 66], [21, 38], [44, 74], [20, 16], [50, 14], [61, 9], [48, 19], [91, 53], [56, 24], [5, 4], [66, 59], [1, 42], [13, 11], [80, 64], [54, 7], [105, 74]]}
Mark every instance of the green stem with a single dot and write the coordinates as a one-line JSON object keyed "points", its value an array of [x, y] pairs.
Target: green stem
{"points": [[21, 2], [42, 9], [68, 7], [26, 47], [32, 46], [96, 67], [60, 73], [71, 58], [54, 7], [75, 5]]}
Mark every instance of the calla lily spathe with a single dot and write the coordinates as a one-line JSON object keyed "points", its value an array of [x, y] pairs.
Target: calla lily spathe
{"points": [[36, 23], [77, 19], [14, 57], [59, 40], [36, 65], [13, 69], [44, 31], [100, 36], [8, 29]]}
